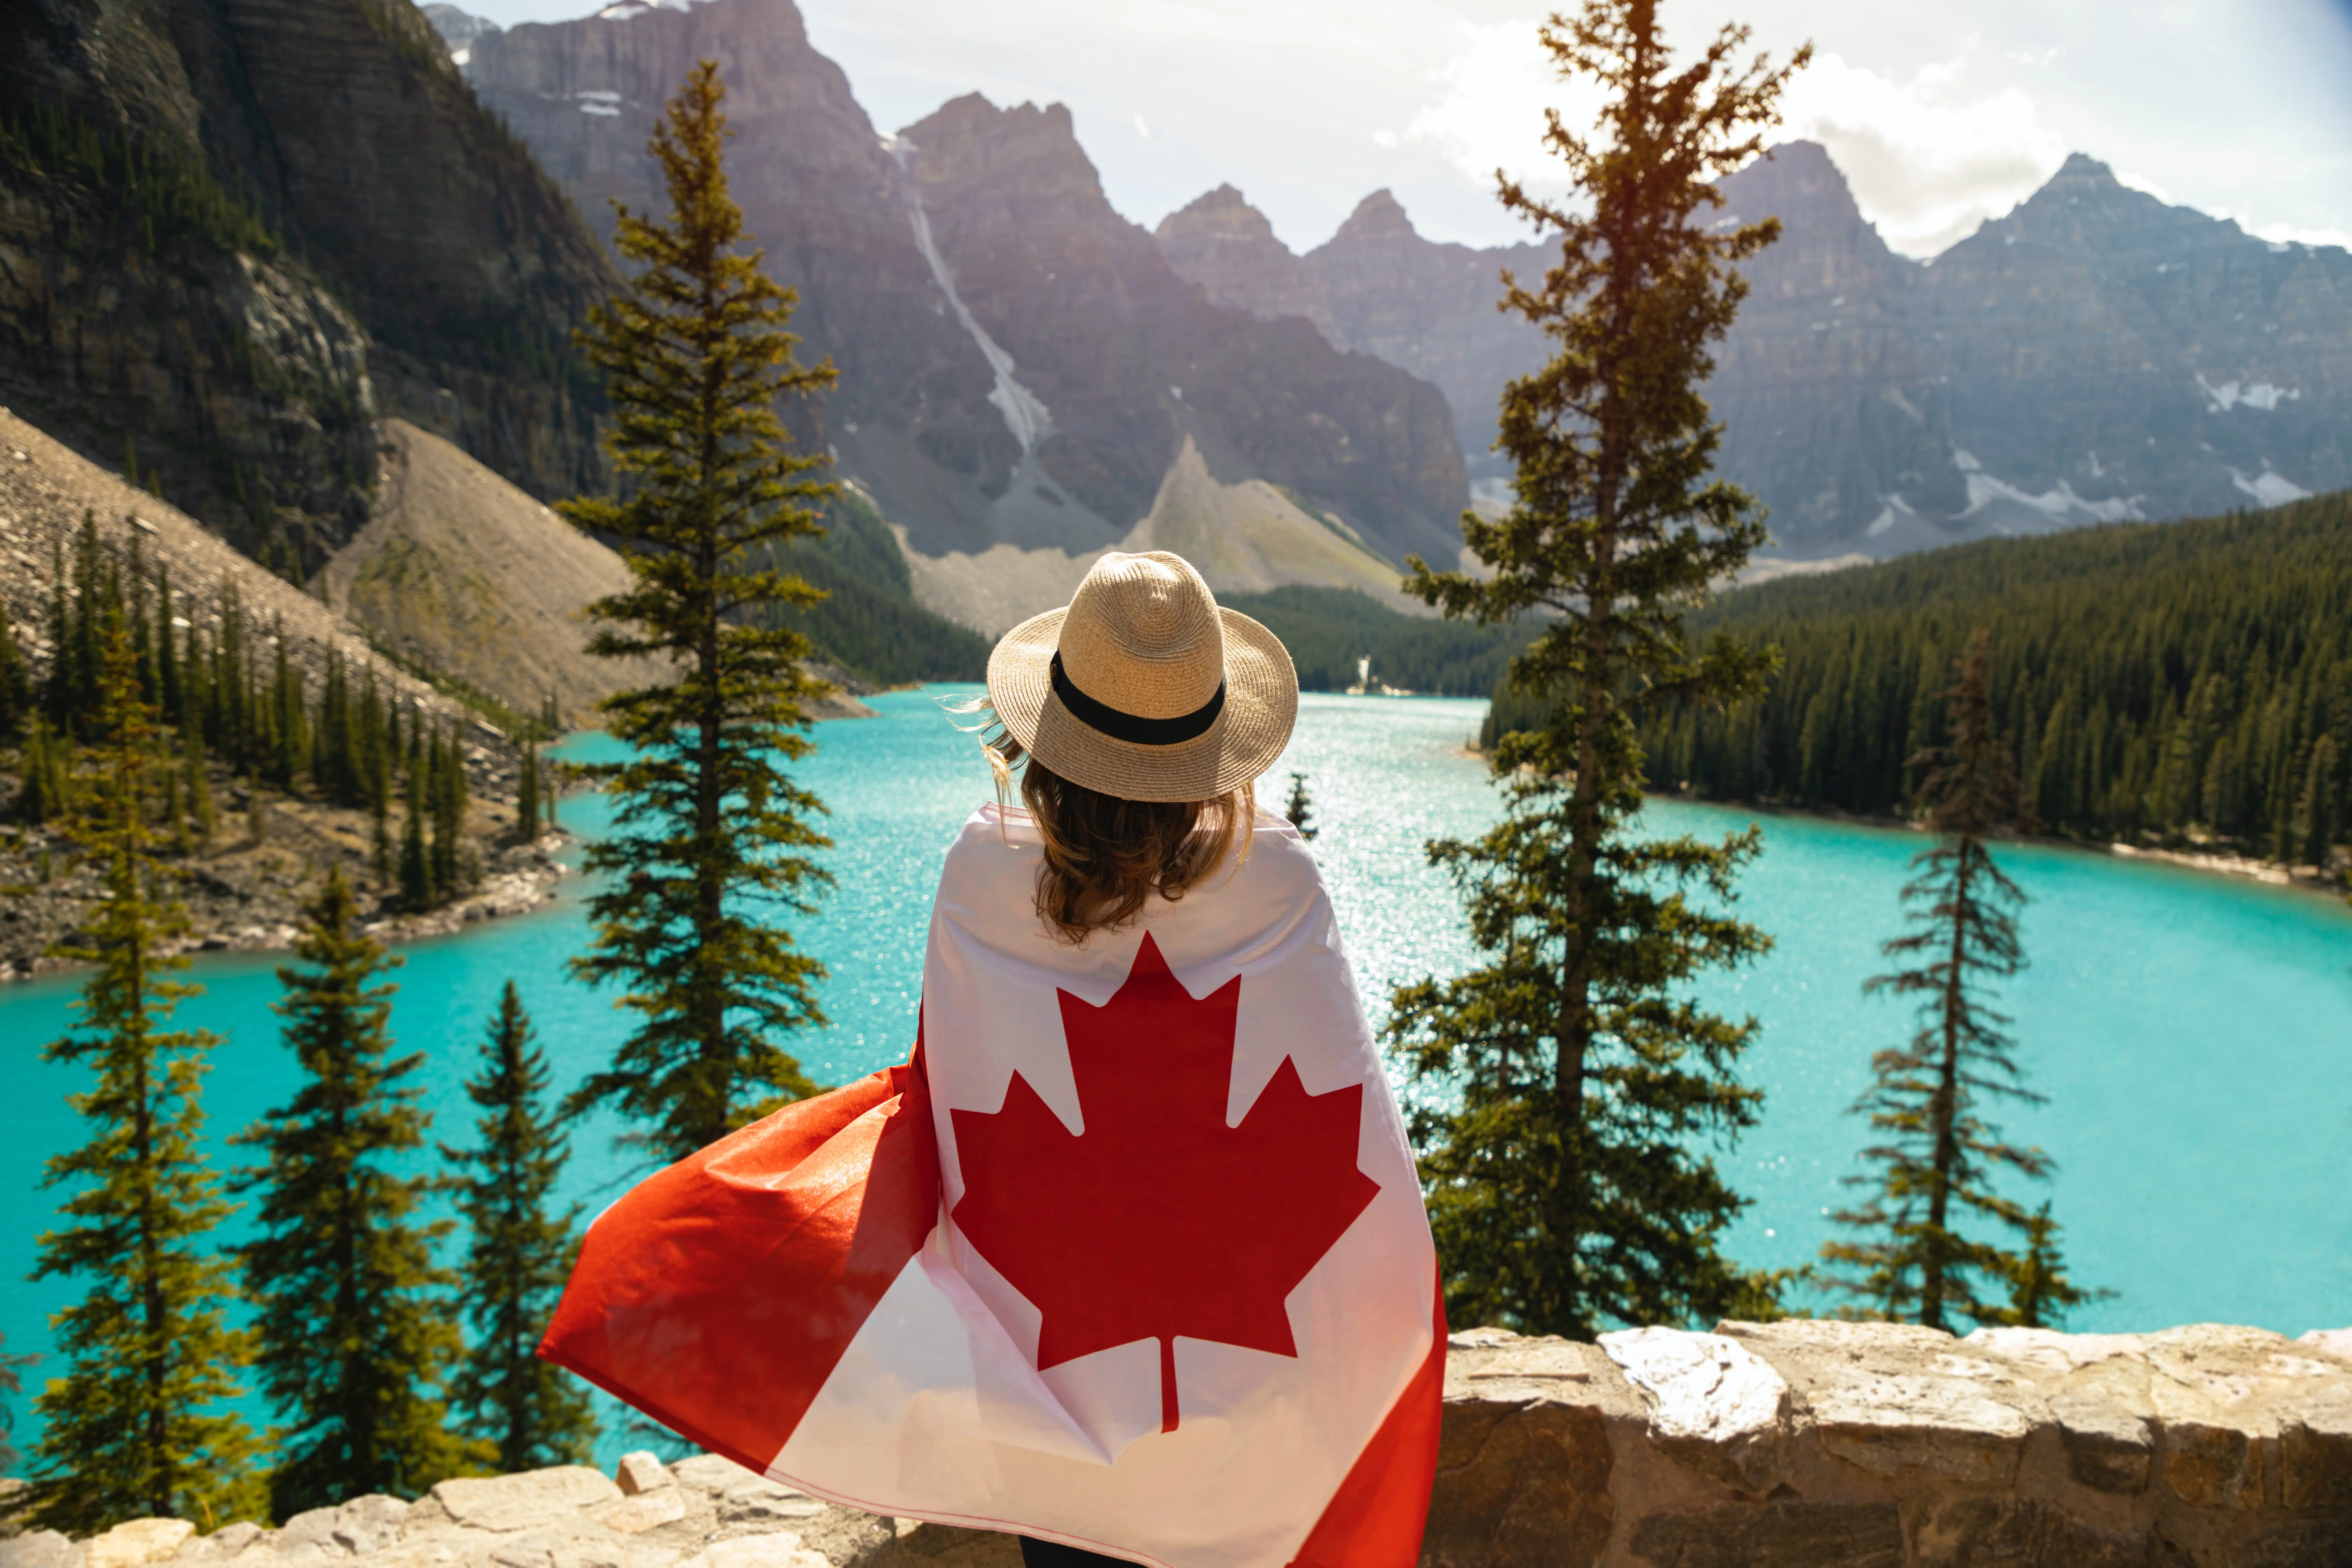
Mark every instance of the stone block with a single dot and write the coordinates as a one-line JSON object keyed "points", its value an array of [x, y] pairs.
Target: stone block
{"points": [[641, 1512], [40, 1549], [1713, 1406], [226, 1542], [519, 1501], [641, 1472], [2209, 1465], [2016, 1532], [136, 1542], [355, 1529], [1774, 1535], [1522, 1485], [1895, 1399], [711, 1472], [2108, 1447], [2315, 1465], [2335, 1342]]}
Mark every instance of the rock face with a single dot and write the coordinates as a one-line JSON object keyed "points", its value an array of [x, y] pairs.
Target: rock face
{"points": [[2096, 355], [1797, 1445], [1019, 364], [463, 570], [166, 167]]}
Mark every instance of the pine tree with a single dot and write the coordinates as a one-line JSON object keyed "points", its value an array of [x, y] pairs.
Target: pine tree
{"points": [[710, 837], [195, 684], [200, 788], [290, 751], [16, 700], [355, 1335], [43, 791], [1300, 809], [530, 1411], [1567, 1186], [453, 868], [167, 650], [11, 1385], [1935, 1167], [527, 793], [2039, 1294], [417, 892], [2317, 811], [58, 696], [139, 1425]]}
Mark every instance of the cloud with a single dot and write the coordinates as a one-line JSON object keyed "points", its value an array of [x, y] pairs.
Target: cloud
{"points": [[1927, 163]]}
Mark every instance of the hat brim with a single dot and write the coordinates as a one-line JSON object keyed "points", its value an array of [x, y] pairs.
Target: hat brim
{"points": [[1249, 732]]}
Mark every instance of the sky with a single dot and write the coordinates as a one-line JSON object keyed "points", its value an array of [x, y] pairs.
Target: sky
{"points": [[1940, 115]]}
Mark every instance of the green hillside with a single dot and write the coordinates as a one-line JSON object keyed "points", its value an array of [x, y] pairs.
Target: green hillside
{"points": [[2178, 681], [869, 624]]}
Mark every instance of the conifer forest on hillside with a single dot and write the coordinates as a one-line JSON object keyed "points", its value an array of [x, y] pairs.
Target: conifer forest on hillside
{"points": [[2185, 683]]}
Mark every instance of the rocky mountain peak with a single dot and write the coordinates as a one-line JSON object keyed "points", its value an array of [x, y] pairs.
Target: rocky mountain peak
{"points": [[968, 138], [1796, 182], [1221, 215], [1227, 247], [1379, 219], [2084, 209], [2081, 166]]}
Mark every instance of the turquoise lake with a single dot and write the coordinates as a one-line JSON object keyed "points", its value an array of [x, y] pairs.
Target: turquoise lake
{"points": [[2193, 1033]]}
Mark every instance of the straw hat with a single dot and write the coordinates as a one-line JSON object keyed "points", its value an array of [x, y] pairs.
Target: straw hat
{"points": [[1142, 688]]}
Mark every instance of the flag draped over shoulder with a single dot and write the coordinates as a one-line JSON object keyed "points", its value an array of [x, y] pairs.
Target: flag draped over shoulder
{"points": [[1130, 1255]]}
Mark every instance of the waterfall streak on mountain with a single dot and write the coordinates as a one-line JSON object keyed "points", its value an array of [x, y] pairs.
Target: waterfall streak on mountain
{"points": [[1024, 416]]}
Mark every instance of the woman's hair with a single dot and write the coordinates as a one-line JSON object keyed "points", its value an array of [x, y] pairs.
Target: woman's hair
{"points": [[1105, 856]]}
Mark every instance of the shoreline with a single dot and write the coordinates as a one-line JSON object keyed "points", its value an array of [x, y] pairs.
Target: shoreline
{"points": [[2213, 862], [2218, 863], [517, 879]]}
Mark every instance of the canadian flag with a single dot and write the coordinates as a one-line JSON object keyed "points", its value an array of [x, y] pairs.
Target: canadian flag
{"points": [[1130, 1255]]}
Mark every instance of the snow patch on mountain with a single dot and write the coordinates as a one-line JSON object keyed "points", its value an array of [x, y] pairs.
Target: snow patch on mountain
{"points": [[2261, 394], [2059, 503], [2269, 488], [1025, 414], [1883, 523]]}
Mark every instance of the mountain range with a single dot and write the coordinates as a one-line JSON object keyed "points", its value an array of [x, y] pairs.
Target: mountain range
{"points": [[2094, 355], [1020, 365], [240, 237]]}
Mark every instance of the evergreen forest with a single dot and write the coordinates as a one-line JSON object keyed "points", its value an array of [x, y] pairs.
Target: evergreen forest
{"points": [[868, 623], [236, 701], [2183, 683]]}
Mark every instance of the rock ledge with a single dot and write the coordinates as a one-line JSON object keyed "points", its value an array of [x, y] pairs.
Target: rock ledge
{"points": [[1793, 1445]]}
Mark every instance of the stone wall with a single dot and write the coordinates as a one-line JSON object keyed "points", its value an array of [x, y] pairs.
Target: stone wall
{"points": [[1799, 1444]]}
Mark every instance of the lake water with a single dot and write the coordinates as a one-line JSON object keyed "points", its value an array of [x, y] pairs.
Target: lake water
{"points": [[2193, 1033]]}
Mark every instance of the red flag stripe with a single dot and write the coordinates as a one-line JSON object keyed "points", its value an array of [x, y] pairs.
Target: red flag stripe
{"points": [[1376, 1517], [719, 1294]]}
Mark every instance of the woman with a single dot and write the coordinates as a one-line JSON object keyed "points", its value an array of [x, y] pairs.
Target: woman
{"points": [[1129, 1258]]}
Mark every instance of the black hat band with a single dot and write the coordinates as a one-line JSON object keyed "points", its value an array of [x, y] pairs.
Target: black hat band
{"points": [[1134, 726]]}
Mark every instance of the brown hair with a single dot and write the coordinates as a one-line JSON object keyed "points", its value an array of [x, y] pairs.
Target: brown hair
{"points": [[1105, 856]]}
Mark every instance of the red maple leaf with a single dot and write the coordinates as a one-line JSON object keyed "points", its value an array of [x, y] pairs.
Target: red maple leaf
{"points": [[1160, 1220]]}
